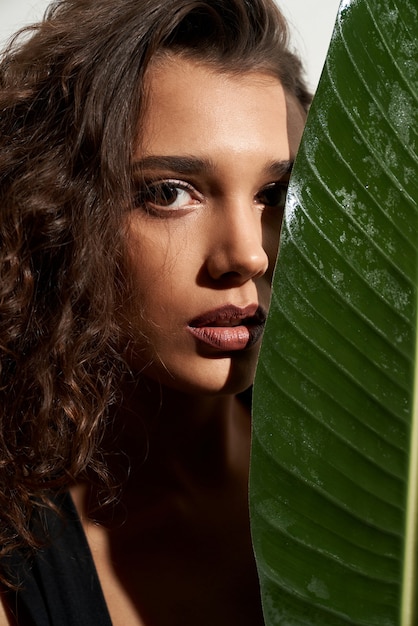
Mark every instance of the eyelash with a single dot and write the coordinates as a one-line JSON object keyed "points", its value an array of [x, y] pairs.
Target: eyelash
{"points": [[278, 191], [157, 197]]}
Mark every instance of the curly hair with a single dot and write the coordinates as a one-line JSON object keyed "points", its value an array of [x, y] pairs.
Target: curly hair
{"points": [[71, 98]]}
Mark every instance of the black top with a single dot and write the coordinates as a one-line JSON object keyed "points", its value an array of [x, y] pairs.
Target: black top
{"points": [[60, 586]]}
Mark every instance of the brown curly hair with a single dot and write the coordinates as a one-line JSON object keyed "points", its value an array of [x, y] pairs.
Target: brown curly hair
{"points": [[71, 96]]}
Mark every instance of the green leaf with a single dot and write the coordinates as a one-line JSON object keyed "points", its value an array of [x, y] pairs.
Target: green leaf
{"points": [[333, 486]]}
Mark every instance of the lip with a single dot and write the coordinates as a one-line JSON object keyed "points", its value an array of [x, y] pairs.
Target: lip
{"points": [[229, 328]]}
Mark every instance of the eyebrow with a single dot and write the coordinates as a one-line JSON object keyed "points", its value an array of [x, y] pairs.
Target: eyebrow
{"points": [[188, 165], [180, 164], [277, 169]]}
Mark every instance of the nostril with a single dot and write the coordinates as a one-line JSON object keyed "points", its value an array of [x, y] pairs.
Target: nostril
{"points": [[237, 270]]}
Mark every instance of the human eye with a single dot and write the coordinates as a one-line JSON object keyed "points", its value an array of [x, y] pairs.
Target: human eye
{"points": [[273, 195], [166, 196]]}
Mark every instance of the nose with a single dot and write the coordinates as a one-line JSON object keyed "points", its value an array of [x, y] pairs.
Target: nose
{"points": [[236, 249]]}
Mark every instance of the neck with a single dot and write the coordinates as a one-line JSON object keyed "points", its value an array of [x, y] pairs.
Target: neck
{"points": [[161, 425], [164, 442]]}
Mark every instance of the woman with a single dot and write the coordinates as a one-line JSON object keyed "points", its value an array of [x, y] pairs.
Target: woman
{"points": [[144, 157]]}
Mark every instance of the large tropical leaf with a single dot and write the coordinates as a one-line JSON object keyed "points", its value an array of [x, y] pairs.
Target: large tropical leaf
{"points": [[335, 444]]}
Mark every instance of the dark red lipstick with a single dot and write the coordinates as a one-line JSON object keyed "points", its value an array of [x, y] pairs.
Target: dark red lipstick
{"points": [[229, 328]]}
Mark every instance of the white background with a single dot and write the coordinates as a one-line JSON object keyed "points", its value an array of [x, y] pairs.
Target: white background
{"points": [[311, 21]]}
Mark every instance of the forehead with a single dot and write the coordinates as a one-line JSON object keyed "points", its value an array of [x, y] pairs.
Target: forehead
{"points": [[196, 108]]}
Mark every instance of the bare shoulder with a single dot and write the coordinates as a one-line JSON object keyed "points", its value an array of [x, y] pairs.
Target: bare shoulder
{"points": [[6, 617]]}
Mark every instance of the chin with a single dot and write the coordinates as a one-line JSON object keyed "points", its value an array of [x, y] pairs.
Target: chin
{"points": [[197, 374], [216, 377]]}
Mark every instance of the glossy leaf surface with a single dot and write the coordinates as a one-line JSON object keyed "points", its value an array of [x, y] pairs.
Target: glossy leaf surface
{"points": [[334, 460]]}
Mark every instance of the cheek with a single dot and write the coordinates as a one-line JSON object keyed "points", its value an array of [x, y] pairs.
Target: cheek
{"points": [[146, 257], [139, 271], [155, 264]]}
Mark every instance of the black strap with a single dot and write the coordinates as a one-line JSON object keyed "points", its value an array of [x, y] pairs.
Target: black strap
{"points": [[60, 586]]}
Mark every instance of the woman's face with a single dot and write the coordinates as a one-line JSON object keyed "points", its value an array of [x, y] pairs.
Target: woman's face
{"points": [[212, 170]]}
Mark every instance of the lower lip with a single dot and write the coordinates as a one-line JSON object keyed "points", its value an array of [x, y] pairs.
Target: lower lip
{"points": [[228, 338]]}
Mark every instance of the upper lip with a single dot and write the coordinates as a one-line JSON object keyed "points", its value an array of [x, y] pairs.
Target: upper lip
{"points": [[231, 315]]}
